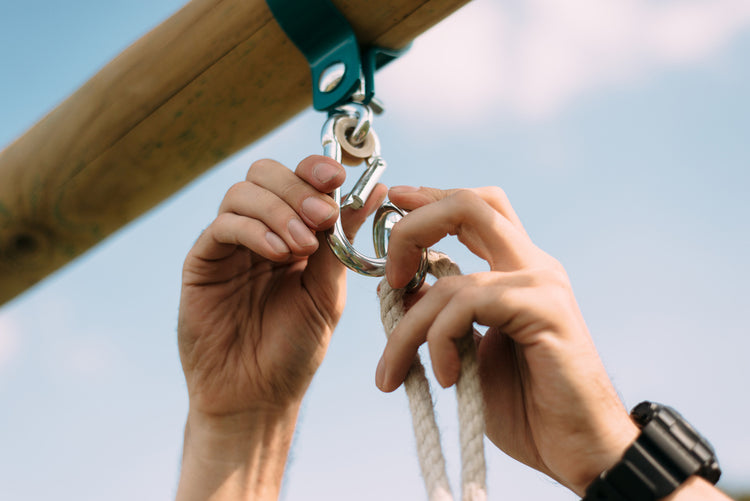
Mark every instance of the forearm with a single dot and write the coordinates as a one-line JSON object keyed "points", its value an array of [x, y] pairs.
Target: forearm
{"points": [[237, 458]]}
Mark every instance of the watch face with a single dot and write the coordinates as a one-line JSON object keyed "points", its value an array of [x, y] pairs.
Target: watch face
{"points": [[671, 422], [667, 452]]}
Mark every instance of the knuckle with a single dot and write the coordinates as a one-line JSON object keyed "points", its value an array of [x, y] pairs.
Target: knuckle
{"points": [[554, 291], [294, 190], [557, 267], [498, 194], [482, 278], [551, 276], [236, 190], [467, 295], [468, 200], [259, 167], [465, 195], [221, 220], [557, 278], [446, 285], [219, 225]]}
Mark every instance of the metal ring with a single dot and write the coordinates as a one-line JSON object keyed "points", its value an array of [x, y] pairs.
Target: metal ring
{"points": [[381, 234], [337, 240]]}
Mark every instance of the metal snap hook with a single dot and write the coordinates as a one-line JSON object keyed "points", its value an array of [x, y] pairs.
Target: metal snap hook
{"points": [[384, 219]]}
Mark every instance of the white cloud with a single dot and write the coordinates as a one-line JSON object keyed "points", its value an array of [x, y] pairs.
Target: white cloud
{"points": [[10, 336], [533, 57]]}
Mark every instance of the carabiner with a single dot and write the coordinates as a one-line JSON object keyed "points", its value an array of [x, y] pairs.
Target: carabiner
{"points": [[357, 117]]}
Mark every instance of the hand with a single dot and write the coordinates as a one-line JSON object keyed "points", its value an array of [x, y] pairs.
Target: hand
{"points": [[262, 292], [261, 295], [549, 401]]}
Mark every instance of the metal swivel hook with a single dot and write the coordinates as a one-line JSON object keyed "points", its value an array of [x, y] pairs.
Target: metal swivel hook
{"points": [[339, 130]]}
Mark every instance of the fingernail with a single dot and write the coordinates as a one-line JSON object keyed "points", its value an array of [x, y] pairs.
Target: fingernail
{"points": [[404, 189], [276, 243], [380, 373], [301, 233], [317, 210], [325, 172]]}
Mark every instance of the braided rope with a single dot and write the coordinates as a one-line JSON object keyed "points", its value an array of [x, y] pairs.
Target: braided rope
{"points": [[468, 396]]}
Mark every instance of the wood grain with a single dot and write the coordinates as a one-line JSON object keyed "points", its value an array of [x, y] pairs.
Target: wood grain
{"points": [[213, 78]]}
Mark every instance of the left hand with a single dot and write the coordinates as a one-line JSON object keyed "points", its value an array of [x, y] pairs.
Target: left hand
{"points": [[262, 292]]}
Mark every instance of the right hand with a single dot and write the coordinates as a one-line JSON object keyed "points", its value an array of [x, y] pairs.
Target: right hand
{"points": [[262, 292], [549, 401]]}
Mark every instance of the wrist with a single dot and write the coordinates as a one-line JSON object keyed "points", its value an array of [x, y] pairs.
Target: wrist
{"points": [[235, 438], [207, 430], [237, 456], [607, 450]]}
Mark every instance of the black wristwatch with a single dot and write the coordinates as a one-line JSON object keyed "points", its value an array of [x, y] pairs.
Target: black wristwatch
{"points": [[666, 453]]}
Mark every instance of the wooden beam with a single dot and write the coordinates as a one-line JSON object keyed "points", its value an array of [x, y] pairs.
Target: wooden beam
{"points": [[213, 78]]}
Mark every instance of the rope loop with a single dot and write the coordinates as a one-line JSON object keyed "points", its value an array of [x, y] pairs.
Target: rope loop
{"points": [[468, 396]]}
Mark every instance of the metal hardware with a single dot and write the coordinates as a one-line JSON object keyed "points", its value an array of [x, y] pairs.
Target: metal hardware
{"points": [[377, 105], [331, 77], [385, 217], [326, 39], [361, 191], [360, 130], [343, 84], [346, 130]]}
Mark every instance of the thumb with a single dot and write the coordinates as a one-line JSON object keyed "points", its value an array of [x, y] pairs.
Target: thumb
{"points": [[410, 197]]}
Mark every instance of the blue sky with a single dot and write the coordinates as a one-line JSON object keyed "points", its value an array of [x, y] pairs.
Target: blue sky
{"points": [[619, 131]]}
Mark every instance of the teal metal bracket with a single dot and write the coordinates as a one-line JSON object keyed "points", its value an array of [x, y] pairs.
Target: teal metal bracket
{"points": [[328, 42]]}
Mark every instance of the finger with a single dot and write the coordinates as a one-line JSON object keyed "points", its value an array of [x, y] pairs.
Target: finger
{"points": [[321, 172], [410, 198], [230, 230], [324, 273], [315, 208], [526, 305], [465, 214], [411, 333], [251, 201], [413, 297], [453, 322], [447, 312], [325, 174]]}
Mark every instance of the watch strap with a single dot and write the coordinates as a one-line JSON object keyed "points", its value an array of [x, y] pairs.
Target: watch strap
{"points": [[667, 452]]}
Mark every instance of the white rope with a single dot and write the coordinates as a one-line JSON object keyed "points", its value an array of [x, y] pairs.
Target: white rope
{"points": [[468, 396]]}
